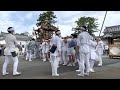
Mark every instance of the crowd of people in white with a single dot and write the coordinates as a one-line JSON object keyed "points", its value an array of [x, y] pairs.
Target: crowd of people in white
{"points": [[82, 49]]}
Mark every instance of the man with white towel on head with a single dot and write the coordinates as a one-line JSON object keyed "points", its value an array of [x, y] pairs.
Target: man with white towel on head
{"points": [[84, 39], [55, 52], [10, 52]]}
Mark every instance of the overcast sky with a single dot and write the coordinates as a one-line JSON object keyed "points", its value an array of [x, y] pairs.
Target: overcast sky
{"points": [[25, 20]]}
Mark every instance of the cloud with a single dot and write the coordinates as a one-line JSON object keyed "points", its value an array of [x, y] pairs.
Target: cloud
{"points": [[65, 30], [21, 21], [26, 20]]}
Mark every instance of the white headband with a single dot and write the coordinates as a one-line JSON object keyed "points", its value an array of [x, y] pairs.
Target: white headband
{"points": [[82, 28], [11, 29], [58, 32]]}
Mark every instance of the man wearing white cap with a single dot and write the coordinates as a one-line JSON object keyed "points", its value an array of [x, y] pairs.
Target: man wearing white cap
{"points": [[10, 52], [83, 40], [55, 52]]}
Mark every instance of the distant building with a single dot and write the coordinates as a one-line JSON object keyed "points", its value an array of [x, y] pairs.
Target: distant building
{"points": [[112, 34], [21, 38]]}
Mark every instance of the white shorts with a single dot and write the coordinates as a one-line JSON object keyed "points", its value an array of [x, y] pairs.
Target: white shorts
{"points": [[71, 51]]}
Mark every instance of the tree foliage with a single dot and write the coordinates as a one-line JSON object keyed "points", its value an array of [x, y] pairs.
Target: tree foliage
{"points": [[90, 22], [46, 15]]}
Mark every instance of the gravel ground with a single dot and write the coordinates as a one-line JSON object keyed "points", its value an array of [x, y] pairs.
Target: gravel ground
{"points": [[38, 69]]}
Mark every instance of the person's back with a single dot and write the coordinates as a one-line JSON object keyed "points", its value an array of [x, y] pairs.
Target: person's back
{"points": [[9, 41], [57, 42], [83, 42], [72, 43], [84, 38], [55, 52]]}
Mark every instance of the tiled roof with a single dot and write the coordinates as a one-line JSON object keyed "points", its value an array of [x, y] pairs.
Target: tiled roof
{"points": [[112, 35], [112, 29], [108, 35]]}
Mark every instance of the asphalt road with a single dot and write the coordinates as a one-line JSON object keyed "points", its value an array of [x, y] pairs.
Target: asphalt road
{"points": [[38, 69]]}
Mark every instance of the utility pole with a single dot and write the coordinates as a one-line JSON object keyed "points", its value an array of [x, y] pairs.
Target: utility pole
{"points": [[103, 23]]}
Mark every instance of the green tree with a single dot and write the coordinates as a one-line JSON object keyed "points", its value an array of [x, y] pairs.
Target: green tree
{"points": [[49, 15], [90, 22]]}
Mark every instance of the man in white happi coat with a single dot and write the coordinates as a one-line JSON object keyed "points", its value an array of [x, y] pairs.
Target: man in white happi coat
{"points": [[45, 49], [55, 56], [83, 40], [64, 51], [93, 55], [99, 50], [30, 50], [10, 52]]}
